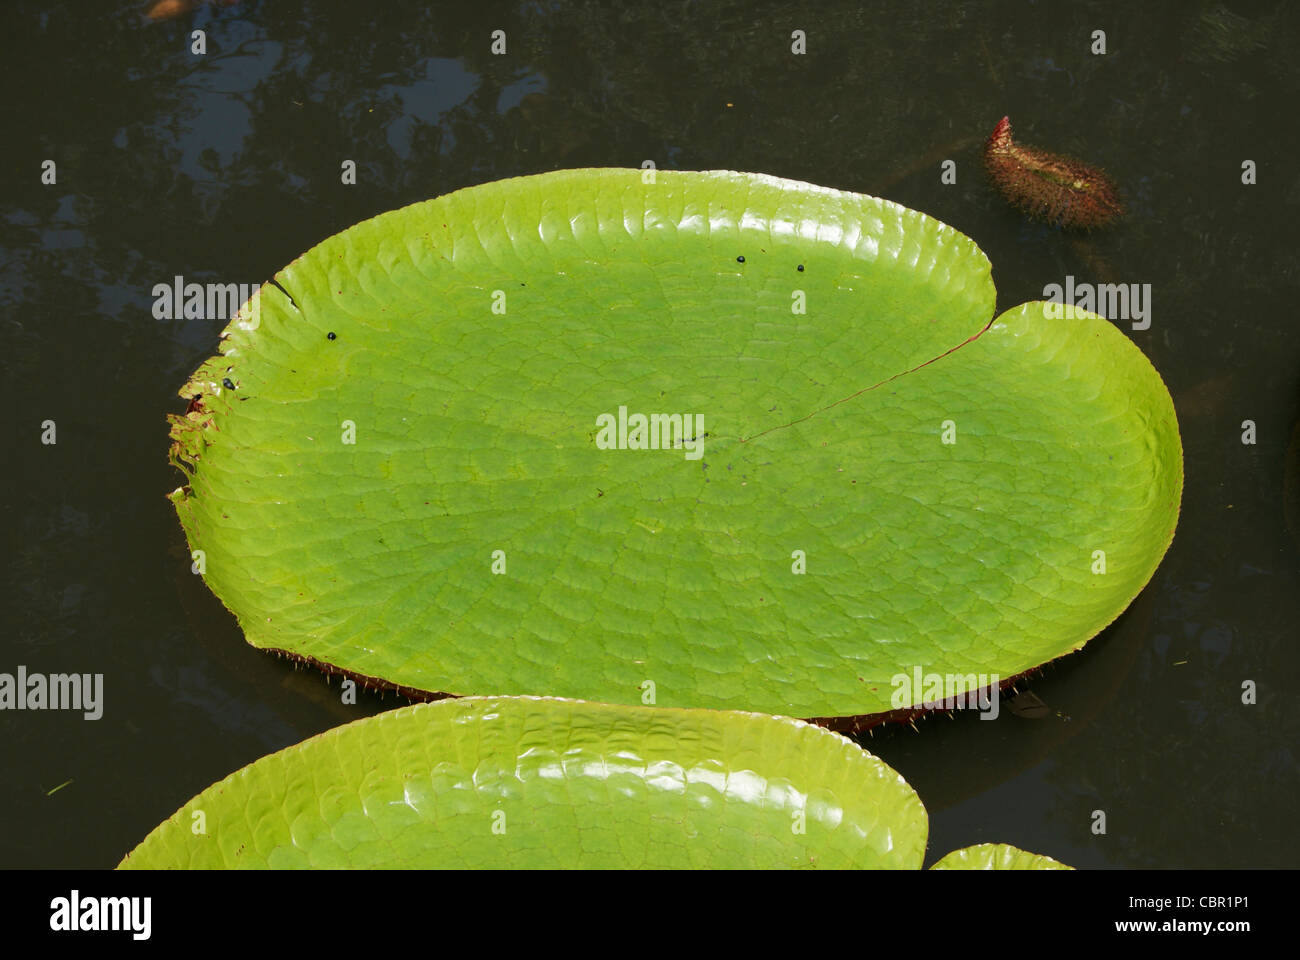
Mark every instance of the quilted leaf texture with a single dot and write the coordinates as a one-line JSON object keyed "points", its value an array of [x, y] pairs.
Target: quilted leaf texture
{"points": [[997, 856], [541, 782], [411, 478]]}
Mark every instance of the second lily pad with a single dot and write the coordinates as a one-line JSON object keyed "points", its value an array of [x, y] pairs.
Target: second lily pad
{"points": [[545, 783]]}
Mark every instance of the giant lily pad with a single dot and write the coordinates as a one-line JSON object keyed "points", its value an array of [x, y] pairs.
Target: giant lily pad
{"points": [[521, 782], [397, 465]]}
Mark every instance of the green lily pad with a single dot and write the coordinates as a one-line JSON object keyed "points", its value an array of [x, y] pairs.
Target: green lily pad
{"points": [[423, 497], [997, 856], [524, 782]]}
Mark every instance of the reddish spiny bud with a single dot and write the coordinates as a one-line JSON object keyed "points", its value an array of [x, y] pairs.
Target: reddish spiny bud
{"points": [[1050, 186]]}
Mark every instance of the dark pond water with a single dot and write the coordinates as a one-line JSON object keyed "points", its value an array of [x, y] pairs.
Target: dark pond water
{"points": [[224, 167]]}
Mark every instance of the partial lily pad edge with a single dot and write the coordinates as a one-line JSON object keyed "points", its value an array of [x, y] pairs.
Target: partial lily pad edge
{"points": [[997, 856]]}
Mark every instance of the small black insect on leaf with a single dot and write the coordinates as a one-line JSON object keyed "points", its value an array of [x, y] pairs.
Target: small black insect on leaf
{"points": [[226, 382], [332, 335]]}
